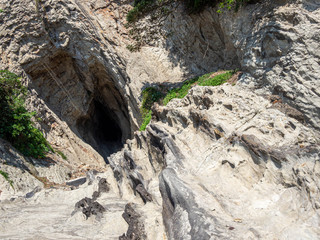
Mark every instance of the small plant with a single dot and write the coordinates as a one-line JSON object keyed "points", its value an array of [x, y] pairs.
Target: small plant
{"points": [[234, 4], [150, 95], [146, 119], [133, 48], [16, 124], [217, 80], [1, 10], [140, 7], [180, 92], [7, 178], [64, 157]]}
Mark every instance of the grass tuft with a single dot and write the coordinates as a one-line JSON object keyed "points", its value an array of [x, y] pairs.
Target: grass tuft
{"points": [[6, 177], [217, 80], [180, 92], [64, 157]]}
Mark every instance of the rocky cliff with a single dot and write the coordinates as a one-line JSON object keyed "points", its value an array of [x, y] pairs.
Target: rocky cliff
{"points": [[237, 161]]}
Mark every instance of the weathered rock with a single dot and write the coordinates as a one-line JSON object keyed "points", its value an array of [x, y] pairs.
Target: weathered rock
{"points": [[146, 197], [77, 182], [48, 214], [103, 186], [136, 228], [255, 145], [90, 207], [229, 164]]}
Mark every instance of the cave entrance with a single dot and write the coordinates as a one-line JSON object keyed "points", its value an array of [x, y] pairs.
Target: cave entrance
{"points": [[101, 129], [87, 98]]}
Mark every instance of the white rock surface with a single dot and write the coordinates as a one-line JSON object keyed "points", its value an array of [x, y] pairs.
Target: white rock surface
{"points": [[228, 162]]}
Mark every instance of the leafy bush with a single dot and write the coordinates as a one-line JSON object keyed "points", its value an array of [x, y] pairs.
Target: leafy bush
{"points": [[16, 125], [203, 80], [7, 178]]}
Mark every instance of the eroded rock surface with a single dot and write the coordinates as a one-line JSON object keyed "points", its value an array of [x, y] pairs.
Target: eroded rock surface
{"points": [[228, 162], [231, 174]]}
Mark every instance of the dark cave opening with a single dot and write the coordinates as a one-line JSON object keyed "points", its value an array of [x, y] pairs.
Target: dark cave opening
{"points": [[100, 128], [87, 98]]}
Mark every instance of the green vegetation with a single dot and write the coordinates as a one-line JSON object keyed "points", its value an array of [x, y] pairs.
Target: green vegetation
{"points": [[146, 119], [203, 80], [1, 10], [133, 48], [6, 177], [143, 6], [217, 80], [180, 92], [140, 7], [64, 157], [233, 4], [199, 5], [16, 125], [151, 95]]}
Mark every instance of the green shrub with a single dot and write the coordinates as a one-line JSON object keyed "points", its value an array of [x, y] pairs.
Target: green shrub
{"points": [[7, 178], [143, 6], [140, 7], [150, 95], [16, 125]]}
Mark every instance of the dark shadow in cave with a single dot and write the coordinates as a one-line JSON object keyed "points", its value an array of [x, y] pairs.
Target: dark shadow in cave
{"points": [[86, 97], [101, 129]]}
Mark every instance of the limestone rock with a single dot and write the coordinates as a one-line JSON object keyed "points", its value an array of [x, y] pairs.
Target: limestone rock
{"points": [[228, 162]]}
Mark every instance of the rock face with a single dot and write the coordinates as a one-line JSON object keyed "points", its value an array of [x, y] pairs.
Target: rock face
{"points": [[238, 161], [232, 169]]}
